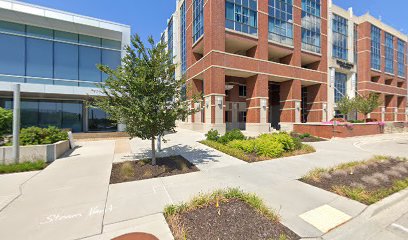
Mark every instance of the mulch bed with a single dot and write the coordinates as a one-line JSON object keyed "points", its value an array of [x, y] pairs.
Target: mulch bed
{"points": [[236, 221], [142, 169], [371, 176]]}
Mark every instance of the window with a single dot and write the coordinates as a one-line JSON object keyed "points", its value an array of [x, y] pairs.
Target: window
{"points": [[66, 63], [242, 91], [183, 38], [401, 58], [281, 21], [12, 57], [170, 37], [311, 25], [355, 47], [98, 121], [39, 60], [242, 116], [198, 19], [340, 30], [389, 53], [340, 82], [45, 113], [375, 48], [46, 56], [89, 57], [241, 16]]}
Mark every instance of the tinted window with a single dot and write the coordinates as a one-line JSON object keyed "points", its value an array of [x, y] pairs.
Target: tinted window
{"points": [[66, 63], [12, 57], [39, 60]]}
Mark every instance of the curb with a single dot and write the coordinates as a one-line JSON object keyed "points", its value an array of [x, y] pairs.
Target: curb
{"points": [[382, 205]]}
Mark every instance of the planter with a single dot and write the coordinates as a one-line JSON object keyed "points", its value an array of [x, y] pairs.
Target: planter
{"points": [[342, 130], [47, 153]]}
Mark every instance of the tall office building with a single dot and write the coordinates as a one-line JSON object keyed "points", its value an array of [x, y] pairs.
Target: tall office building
{"points": [[53, 55], [264, 65]]}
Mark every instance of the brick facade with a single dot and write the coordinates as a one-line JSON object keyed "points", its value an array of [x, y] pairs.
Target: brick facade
{"points": [[285, 84]]}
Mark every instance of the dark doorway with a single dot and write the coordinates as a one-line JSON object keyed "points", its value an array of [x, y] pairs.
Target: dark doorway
{"points": [[274, 106], [304, 111]]}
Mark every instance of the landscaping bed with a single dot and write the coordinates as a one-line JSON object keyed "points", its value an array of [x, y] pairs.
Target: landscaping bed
{"points": [[23, 167], [229, 214], [143, 169], [307, 137], [367, 182], [264, 147]]}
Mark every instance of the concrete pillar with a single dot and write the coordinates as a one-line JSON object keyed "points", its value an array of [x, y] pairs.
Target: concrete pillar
{"points": [[257, 107], [290, 95], [330, 93], [16, 123]]}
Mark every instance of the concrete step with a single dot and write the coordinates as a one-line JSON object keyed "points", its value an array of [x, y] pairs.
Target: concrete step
{"points": [[99, 135]]}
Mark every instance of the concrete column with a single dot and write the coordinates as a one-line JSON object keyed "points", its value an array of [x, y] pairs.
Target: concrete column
{"points": [[16, 123], [257, 107], [85, 127], [330, 93], [290, 95]]}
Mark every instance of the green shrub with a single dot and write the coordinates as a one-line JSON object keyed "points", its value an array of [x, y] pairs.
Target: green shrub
{"points": [[212, 135], [235, 134], [305, 135], [39, 136], [238, 153], [6, 121], [269, 148], [22, 167], [297, 143], [247, 146], [286, 140]]}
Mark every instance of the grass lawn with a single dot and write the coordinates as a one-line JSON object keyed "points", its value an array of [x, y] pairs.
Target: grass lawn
{"points": [[143, 169], [22, 167], [226, 214], [253, 157], [367, 182]]}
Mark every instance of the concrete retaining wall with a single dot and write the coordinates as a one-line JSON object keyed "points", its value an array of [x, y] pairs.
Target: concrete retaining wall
{"points": [[48, 153], [396, 127]]}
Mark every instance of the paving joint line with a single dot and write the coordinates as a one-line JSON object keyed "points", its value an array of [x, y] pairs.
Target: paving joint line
{"points": [[20, 189]]}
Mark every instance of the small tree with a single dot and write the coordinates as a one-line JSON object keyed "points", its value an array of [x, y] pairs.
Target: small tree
{"points": [[367, 104], [143, 93], [6, 121], [346, 105]]}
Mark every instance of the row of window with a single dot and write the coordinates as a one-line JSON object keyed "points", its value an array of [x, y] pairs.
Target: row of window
{"points": [[389, 52], [183, 35], [61, 114], [32, 57]]}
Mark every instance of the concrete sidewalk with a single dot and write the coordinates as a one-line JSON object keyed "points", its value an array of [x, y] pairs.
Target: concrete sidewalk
{"points": [[67, 200]]}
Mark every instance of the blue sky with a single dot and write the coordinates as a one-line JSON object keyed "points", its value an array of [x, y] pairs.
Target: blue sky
{"points": [[148, 17]]}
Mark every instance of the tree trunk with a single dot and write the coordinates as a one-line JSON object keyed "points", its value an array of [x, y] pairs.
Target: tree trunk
{"points": [[153, 152]]}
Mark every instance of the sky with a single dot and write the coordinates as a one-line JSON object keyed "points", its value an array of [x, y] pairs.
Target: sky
{"points": [[149, 17]]}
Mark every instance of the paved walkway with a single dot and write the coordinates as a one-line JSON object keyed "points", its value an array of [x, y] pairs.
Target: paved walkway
{"points": [[65, 201], [71, 199]]}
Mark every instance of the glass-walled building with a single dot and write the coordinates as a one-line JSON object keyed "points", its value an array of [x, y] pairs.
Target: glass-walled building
{"points": [[54, 56]]}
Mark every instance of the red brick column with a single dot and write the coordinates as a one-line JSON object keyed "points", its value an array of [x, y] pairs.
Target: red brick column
{"points": [[391, 106], [290, 94], [317, 103], [214, 25], [214, 99], [257, 103], [263, 32], [402, 103], [297, 33]]}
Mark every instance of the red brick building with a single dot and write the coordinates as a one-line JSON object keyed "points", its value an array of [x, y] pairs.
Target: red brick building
{"points": [[261, 64]]}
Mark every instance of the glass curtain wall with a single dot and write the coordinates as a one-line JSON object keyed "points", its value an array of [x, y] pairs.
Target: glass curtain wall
{"points": [[242, 16], [45, 56], [198, 19], [183, 37], [281, 21], [401, 58], [340, 38], [311, 23], [389, 53], [375, 48], [340, 83], [45, 113]]}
